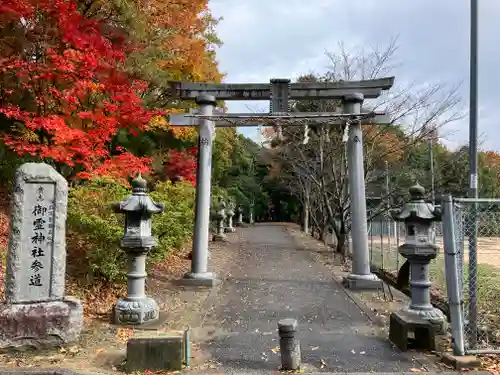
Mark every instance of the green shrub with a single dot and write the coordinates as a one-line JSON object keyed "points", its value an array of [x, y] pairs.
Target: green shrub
{"points": [[94, 230]]}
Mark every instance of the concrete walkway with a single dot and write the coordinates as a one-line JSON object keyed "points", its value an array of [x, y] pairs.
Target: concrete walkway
{"points": [[273, 279]]}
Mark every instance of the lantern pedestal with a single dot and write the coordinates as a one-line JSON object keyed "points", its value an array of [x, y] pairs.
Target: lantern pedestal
{"points": [[239, 217], [219, 235], [420, 284], [136, 308], [133, 312], [230, 214]]}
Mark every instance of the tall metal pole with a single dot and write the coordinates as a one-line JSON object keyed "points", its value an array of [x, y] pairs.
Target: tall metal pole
{"points": [[388, 205], [431, 172], [199, 274], [360, 276], [431, 169], [473, 115], [387, 192]]}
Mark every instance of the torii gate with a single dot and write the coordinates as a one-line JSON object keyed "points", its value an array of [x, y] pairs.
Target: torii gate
{"points": [[280, 92]]}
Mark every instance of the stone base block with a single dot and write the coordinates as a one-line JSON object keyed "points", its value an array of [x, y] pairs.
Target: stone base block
{"points": [[219, 238], [229, 230], [434, 316], [461, 362], [363, 282], [155, 354], [199, 279], [135, 311], [41, 324], [402, 324]]}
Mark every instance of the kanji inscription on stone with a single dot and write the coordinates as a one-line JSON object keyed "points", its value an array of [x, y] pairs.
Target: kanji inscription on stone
{"points": [[36, 260], [204, 141], [37, 241]]}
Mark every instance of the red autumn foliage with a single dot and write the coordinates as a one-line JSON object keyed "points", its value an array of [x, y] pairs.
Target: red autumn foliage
{"points": [[181, 165], [66, 91]]}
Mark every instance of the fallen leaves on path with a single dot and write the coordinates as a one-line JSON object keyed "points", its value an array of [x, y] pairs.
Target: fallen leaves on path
{"points": [[491, 363], [72, 350], [322, 363], [276, 350], [298, 371], [124, 334]]}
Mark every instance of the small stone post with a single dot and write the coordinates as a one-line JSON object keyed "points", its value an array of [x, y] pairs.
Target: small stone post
{"points": [[289, 345], [239, 220], [419, 249], [230, 214], [220, 216], [137, 241]]}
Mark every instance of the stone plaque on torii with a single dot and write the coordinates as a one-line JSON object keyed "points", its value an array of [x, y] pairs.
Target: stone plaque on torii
{"points": [[280, 92]]}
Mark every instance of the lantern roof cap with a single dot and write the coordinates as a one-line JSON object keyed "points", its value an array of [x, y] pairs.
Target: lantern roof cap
{"points": [[417, 208], [139, 184], [417, 191], [139, 200]]}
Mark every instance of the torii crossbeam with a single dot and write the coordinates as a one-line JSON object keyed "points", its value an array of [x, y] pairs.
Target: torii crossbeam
{"points": [[230, 120], [280, 92], [370, 89]]}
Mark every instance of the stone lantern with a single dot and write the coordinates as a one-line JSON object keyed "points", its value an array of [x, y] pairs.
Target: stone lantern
{"points": [[239, 212], [137, 241], [230, 214], [220, 216], [250, 218], [419, 248]]}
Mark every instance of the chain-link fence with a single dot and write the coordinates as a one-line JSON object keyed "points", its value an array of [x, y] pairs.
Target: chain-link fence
{"points": [[384, 238], [476, 229]]}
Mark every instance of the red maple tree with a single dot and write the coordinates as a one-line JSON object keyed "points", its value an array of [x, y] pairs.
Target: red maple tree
{"points": [[181, 165], [66, 91]]}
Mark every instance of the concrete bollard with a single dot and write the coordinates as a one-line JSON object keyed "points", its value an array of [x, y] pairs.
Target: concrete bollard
{"points": [[289, 345]]}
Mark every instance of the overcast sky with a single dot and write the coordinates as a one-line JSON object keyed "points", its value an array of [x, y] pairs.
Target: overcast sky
{"points": [[266, 39]]}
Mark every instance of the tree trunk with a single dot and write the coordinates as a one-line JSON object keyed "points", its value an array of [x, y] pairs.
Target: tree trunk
{"points": [[324, 233], [342, 235], [341, 244]]}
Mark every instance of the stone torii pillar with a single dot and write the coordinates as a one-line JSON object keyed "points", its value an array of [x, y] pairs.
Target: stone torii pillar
{"points": [[199, 274], [361, 276]]}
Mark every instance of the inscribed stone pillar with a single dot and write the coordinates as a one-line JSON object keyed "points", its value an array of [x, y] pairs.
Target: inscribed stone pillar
{"points": [[35, 310]]}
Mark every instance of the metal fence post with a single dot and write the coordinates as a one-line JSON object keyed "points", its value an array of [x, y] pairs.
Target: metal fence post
{"points": [[452, 277]]}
